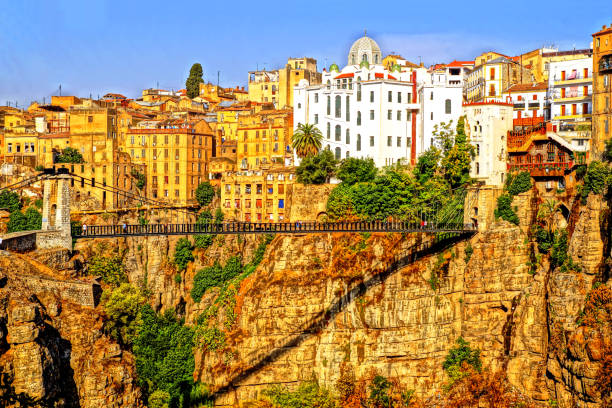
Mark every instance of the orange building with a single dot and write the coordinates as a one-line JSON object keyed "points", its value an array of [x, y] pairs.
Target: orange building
{"points": [[602, 88]]}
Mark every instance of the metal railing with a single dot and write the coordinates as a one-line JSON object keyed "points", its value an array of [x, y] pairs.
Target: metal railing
{"points": [[101, 231]]}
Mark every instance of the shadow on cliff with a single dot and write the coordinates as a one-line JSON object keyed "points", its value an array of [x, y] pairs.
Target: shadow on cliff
{"points": [[324, 318]]}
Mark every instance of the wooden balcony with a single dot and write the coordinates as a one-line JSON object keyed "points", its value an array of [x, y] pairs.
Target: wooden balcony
{"points": [[528, 121], [549, 169]]}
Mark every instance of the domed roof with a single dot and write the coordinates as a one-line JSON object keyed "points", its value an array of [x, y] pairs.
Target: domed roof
{"points": [[334, 67], [364, 49]]}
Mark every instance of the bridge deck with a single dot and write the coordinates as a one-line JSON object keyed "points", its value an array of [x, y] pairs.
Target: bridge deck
{"points": [[102, 231]]}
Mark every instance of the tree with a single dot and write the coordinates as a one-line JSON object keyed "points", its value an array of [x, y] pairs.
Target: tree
{"points": [[316, 169], [460, 355], [183, 254], [109, 268], [547, 213], [205, 193], [17, 222], [69, 155], [9, 201], [307, 140], [122, 307], [353, 170], [194, 80]]}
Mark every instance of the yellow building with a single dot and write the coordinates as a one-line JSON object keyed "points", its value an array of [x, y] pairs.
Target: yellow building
{"points": [[21, 147], [258, 195], [491, 77], [65, 101], [176, 156], [602, 88], [391, 60], [264, 137], [228, 118], [277, 86]]}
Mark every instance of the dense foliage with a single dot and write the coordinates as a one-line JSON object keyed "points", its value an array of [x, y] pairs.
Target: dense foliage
{"points": [[121, 307], [141, 179], [596, 179], [215, 275], [9, 201], [515, 184], [308, 395], [205, 193], [164, 356], [352, 171], [430, 191], [379, 392], [317, 169], [306, 140], [31, 220], [518, 184], [194, 80], [69, 155], [110, 268], [504, 209], [458, 357], [183, 254]]}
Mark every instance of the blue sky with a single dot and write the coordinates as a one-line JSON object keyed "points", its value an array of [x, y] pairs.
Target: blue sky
{"points": [[125, 46]]}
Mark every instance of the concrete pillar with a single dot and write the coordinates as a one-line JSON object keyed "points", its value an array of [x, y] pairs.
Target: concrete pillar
{"points": [[62, 214], [46, 209]]}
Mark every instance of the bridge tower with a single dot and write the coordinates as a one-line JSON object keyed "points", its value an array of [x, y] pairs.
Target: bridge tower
{"points": [[56, 234]]}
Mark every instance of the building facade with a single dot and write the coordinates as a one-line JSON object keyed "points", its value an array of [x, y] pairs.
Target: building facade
{"points": [[602, 89], [487, 81], [570, 93], [530, 102]]}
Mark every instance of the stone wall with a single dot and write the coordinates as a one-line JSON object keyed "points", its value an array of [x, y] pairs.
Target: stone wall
{"points": [[52, 239], [81, 293], [307, 202], [19, 241]]}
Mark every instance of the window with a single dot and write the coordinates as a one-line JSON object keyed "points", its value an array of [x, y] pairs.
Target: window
{"points": [[390, 96], [358, 90], [389, 114], [586, 73], [389, 143], [585, 111], [477, 168], [358, 118], [399, 141], [492, 74], [371, 96], [348, 114], [371, 114], [409, 97], [328, 105], [550, 152], [316, 118], [316, 98], [348, 136], [399, 97], [338, 105], [9, 147], [328, 130], [299, 105], [358, 143], [447, 106], [90, 119], [606, 126], [492, 90], [431, 96], [431, 115], [337, 133], [371, 141], [338, 153], [399, 115]]}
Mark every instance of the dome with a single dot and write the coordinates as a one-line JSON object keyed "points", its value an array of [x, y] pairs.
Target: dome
{"points": [[334, 67], [396, 68], [364, 64], [364, 49]]}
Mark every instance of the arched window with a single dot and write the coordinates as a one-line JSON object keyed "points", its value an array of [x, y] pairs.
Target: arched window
{"points": [[550, 150], [364, 57], [338, 106], [328, 130], [338, 154], [348, 113], [328, 105], [353, 59], [447, 105], [376, 59], [328, 84], [358, 143], [348, 136], [358, 89], [338, 133], [347, 154], [358, 118]]}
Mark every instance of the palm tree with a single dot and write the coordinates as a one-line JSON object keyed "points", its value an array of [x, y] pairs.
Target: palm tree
{"points": [[547, 213], [307, 140]]}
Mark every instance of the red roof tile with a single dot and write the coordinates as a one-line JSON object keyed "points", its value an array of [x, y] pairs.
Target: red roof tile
{"points": [[535, 87], [347, 75]]}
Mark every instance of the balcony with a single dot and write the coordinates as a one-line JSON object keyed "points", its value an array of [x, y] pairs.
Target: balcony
{"points": [[519, 105], [573, 97], [552, 169], [528, 121], [534, 105], [571, 79], [605, 63]]}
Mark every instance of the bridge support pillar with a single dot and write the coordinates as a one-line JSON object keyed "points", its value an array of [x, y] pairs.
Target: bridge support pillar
{"points": [[46, 209], [62, 214]]}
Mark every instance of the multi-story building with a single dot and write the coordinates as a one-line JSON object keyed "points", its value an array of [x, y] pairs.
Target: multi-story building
{"points": [[570, 87], [277, 86], [602, 89], [175, 154], [530, 103], [487, 124], [228, 117], [550, 55], [257, 195], [489, 79], [366, 110], [264, 137]]}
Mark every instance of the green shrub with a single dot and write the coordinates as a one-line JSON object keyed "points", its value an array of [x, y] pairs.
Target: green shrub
{"points": [[504, 209], [544, 239], [215, 275], [205, 193], [10, 201], [121, 308], [159, 399], [163, 351], [38, 203], [520, 183], [183, 254], [210, 338], [469, 250], [340, 203], [353, 170], [69, 155], [379, 392], [109, 268], [141, 179], [39, 167], [308, 395], [580, 171], [559, 255], [459, 355], [203, 241], [316, 169], [595, 179], [178, 279]]}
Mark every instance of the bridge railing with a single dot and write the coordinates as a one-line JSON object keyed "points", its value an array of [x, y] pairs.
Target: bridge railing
{"points": [[261, 227]]}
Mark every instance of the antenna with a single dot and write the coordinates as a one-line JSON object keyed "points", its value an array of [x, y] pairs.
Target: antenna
{"points": [[60, 90], [218, 76]]}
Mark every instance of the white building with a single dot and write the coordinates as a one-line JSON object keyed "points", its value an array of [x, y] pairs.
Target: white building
{"points": [[487, 125], [365, 110], [530, 103], [570, 89]]}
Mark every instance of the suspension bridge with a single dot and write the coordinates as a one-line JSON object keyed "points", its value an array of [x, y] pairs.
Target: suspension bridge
{"points": [[59, 232]]}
